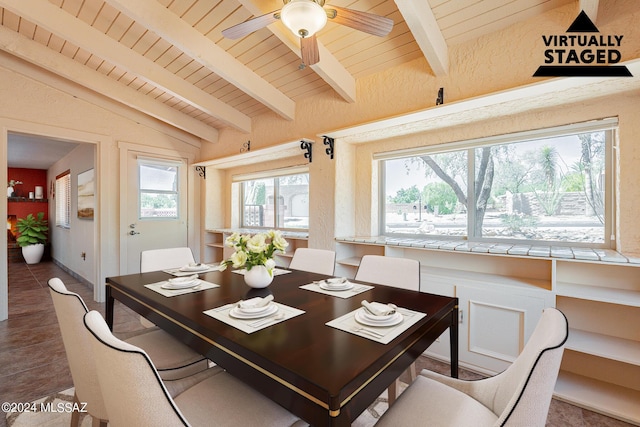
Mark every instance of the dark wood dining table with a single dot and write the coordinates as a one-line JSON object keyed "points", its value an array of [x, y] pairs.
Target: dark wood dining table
{"points": [[324, 375]]}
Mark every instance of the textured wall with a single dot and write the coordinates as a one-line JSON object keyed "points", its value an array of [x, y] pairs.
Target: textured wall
{"points": [[500, 61]]}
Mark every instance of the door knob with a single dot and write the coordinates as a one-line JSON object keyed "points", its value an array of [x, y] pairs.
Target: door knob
{"points": [[133, 233]]}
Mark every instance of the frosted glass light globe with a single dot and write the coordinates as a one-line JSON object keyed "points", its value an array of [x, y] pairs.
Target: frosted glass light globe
{"points": [[303, 17]]}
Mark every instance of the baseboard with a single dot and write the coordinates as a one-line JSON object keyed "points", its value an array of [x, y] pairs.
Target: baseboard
{"points": [[73, 274]]}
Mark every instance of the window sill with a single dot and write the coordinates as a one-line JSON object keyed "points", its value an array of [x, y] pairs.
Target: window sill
{"points": [[520, 250]]}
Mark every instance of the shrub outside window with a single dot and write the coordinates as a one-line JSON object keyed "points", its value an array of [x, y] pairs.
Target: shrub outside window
{"points": [[158, 194], [552, 186]]}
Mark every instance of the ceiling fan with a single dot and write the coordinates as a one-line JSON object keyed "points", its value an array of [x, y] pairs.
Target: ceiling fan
{"points": [[306, 17]]}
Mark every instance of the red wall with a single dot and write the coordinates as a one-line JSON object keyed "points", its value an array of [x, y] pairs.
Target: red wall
{"points": [[30, 178]]}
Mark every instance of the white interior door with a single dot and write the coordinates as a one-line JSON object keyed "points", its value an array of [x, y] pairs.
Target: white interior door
{"points": [[156, 206]]}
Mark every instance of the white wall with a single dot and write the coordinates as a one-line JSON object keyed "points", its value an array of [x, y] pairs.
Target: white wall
{"points": [[35, 102], [67, 245]]}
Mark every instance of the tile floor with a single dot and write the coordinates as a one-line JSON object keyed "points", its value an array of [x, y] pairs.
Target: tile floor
{"points": [[33, 363]]}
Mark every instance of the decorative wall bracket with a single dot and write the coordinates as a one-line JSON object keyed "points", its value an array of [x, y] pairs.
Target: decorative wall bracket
{"points": [[306, 145], [246, 146], [202, 171], [328, 141], [440, 99]]}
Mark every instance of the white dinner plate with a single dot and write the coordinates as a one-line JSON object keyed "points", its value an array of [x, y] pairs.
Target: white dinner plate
{"points": [[327, 286], [239, 313], [361, 317], [180, 284]]}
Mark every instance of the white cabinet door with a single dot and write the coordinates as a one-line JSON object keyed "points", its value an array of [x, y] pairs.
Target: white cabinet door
{"points": [[495, 325]]}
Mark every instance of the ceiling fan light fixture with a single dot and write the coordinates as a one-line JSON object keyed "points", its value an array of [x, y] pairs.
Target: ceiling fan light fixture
{"points": [[303, 17]]}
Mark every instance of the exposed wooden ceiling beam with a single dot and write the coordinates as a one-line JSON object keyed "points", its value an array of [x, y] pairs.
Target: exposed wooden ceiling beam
{"points": [[160, 20], [329, 68], [590, 7], [56, 20], [422, 23], [43, 57]]}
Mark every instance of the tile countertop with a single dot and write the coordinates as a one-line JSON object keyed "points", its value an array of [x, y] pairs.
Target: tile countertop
{"points": [[539, 251]]}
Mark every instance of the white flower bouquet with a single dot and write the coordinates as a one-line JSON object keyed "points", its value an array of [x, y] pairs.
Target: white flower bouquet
{"points": [[258, 249]]}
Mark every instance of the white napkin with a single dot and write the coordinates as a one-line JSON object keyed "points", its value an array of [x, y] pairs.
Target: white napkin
{"points": [[255, 302], [183, 279], [192, 265], [379, 309]]}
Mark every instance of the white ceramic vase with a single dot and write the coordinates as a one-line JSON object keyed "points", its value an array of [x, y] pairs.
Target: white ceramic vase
{"points": [[33, 253], [258, 277]]}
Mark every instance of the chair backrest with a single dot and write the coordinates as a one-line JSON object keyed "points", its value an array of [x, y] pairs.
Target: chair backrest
{"points": [[390, 271], [133, 392], [70, 310], [523, 392], [161, 259], [320, 261]]}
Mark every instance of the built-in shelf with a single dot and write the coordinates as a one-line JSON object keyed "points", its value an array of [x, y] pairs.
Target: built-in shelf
{"points": [[26, 199], [216, 250], [614, 348], [599, 396], [598, 289], [599, 293], [352, 261]]}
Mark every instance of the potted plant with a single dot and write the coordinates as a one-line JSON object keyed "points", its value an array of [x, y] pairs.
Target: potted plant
{"points": [[33, 236]]}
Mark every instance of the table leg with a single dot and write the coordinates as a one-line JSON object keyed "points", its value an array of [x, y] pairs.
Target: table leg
{"points": [[109, 307], [453, 337]]}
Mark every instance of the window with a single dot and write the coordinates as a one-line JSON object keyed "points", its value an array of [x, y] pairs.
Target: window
{"points": [[63, 199], [276, 202], [158, 189], [551, 186]]}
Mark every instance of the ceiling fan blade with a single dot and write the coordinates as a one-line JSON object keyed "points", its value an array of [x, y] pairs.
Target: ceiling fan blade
{"points": [[310, 52], [254, 24], [361, 21]]}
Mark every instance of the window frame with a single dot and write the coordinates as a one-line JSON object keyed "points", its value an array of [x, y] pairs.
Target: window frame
{"points": [[164, 163], [607, 125], [63, 190], [274, 175]]}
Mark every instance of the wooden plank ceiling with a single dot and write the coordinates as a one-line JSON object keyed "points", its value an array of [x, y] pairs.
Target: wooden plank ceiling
{"points": [[168, 58]]}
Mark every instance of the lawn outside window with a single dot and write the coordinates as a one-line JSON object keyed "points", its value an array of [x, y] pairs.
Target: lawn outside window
{"points": [[551, 187]]}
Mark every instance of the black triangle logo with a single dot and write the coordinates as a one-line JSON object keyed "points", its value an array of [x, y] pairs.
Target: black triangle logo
{"points": [[582, 24]]}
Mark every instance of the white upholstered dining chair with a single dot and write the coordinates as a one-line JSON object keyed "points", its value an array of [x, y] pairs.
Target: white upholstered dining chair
{"points": [[401, 273], [320, 261], [134, 394], [174, 359], [519, 396], [162, 259], [390, 271]]}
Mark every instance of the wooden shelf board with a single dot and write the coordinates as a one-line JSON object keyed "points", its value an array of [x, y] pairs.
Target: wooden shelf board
{"points": [[606, 398], [598, 293], [352, 261], [286, 255], [608, 347]]}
